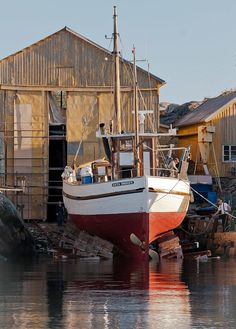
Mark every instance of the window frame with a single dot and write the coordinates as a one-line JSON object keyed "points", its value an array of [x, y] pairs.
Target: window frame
{"points": [[230, 151]]}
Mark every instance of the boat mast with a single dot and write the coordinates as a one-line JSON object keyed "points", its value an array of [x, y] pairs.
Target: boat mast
{"points": [[116, 54], [136, 120]]}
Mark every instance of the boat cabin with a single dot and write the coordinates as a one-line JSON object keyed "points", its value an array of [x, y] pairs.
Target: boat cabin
{"points": [[125, 161], [131, 161]]}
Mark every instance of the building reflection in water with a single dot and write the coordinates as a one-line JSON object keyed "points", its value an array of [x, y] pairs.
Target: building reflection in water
{"points": [[90, 294], [23, 295]]}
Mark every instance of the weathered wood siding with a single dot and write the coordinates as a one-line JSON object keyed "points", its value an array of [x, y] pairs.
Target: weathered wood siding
{"points": [[65, 59], [225, 123], [84, 113], [225, 134], [35, 138]]}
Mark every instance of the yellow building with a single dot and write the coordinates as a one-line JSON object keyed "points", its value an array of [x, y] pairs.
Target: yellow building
{"points": [[210, 129], [53, 95]]}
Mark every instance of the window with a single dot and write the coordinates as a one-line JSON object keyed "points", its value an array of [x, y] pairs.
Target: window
{"points": [[229, 153], [60, 97]]}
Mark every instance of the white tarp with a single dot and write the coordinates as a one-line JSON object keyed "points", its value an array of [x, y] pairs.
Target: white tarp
{"points": [[23, 138], [56, 114]]}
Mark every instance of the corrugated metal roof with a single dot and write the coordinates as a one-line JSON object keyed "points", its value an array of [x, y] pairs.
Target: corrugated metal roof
{"points": [[206, 110]]}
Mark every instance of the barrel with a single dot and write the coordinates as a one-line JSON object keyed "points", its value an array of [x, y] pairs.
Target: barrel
{"points": [[86, 175], [86, 179]]}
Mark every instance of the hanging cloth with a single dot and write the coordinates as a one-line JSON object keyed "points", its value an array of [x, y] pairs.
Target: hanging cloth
{"points": [[57, 115]]}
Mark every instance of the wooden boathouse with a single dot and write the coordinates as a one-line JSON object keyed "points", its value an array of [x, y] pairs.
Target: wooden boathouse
{"points": [[53, 95]]}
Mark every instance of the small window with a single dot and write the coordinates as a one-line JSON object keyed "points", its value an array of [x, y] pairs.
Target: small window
{"points": [[233, 153], [229, 153], [60, 98]]}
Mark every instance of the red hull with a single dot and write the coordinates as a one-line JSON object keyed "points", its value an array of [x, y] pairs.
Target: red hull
{"points": [[117, 228], [163, 222]]}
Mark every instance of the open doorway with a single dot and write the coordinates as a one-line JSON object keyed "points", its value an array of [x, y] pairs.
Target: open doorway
{"points": [[57, 163]]}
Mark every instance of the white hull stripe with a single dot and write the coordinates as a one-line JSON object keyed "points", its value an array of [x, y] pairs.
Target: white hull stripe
{"points": [[155, 190], [105, 195]]}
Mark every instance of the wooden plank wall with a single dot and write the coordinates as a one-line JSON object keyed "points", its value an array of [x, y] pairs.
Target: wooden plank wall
{"points": [[64, 59], [225, 134]]}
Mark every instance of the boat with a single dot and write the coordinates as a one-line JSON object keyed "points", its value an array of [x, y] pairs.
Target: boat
{"points": [[128, 198]]}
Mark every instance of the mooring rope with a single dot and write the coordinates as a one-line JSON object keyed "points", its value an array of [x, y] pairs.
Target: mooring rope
{"points": [[211, 218], [211, 202]]}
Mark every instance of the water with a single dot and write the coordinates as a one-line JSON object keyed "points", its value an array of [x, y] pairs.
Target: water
{"points": [[94, 294]]}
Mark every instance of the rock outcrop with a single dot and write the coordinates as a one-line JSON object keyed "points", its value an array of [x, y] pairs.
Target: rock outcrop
{"points": [[15, 239], [169, 112]]}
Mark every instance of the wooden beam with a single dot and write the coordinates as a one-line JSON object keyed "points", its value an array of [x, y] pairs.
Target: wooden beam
{"points": [[75, 89], [187, 134]]}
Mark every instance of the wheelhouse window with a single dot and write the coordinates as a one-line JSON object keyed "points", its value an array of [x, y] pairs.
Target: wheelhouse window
{"points": [[229, 153]]}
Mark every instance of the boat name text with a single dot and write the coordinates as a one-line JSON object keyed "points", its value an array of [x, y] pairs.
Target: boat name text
{"points": [[122, 183]]}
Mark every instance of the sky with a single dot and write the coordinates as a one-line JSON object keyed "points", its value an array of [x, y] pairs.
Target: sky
{"points": [[191, 44]]}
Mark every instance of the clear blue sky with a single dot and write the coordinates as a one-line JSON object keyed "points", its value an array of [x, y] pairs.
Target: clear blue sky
{"points": [[191, 44]]}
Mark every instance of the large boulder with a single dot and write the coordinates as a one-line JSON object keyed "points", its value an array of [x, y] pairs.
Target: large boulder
{"points": [[15, 239]]}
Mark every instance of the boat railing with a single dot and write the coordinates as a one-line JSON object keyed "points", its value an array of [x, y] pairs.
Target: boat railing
{"points": [[166, 172], [121, 174]]}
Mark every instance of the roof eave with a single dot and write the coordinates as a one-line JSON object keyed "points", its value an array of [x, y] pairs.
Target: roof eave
{"points": [[210, 117], [221, 109]]}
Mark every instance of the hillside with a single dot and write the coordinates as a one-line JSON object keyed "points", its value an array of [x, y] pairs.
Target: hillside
{"points": [[169, 112]]}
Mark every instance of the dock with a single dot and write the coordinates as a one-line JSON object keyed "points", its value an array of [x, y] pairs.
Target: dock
{"points": [[202, 229]]}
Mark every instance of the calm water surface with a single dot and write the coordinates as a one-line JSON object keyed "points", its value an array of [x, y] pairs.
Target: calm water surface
{"points": [[93, 294]]}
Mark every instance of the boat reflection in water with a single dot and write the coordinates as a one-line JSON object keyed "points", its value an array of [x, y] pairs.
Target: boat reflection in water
{"points": [[126, 295], [86, 294], [169, 301], [90, 294]]}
